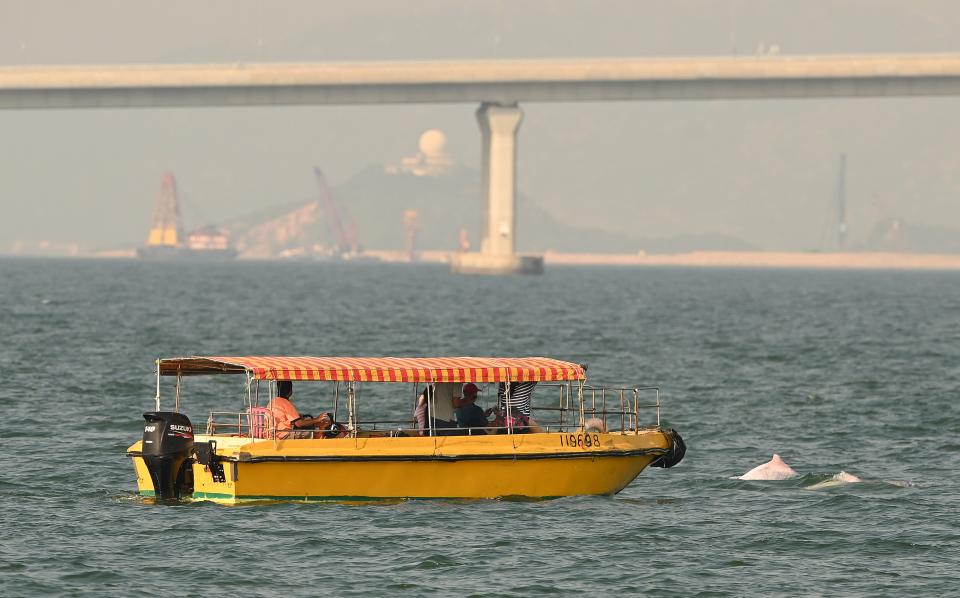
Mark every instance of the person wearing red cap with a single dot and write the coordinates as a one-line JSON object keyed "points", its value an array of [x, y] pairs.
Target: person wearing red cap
{"points": [[469, 414]]}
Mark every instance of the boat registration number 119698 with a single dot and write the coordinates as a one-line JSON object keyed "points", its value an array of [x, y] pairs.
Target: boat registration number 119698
{"points": [[582, 440]]}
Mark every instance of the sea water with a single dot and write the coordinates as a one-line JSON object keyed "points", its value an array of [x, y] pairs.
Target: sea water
{"points": [[854, 371]]}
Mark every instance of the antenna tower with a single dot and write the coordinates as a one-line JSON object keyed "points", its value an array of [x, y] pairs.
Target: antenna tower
{"points": [[842, 204]]}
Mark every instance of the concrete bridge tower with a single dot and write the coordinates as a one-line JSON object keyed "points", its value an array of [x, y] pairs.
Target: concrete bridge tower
{"points": [[499, 124]]}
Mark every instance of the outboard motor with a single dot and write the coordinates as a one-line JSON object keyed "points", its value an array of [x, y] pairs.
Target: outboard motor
{"points": [[676, 451], [167, 444]]}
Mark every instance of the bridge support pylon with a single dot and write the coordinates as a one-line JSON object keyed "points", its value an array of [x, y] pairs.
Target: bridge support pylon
{"points": [[498, 126]]}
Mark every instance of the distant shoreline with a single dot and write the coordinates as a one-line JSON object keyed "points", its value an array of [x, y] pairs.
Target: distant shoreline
{"points": [[695, 259], [729, 259], [766, 259]]}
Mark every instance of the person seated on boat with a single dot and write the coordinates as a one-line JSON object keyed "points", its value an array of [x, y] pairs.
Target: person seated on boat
{"points": [[328, 428], [467, 412], [444, 420], [594, 424], [287, 421], [517, 421], [521, 394], [421, 412], [434, 410]]}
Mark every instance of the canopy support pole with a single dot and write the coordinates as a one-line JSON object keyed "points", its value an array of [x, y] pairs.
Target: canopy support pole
{"points": [[580, 397], [508, 397], [432, 406], [416, 396], [157, 398], [176, 401], [350, 400], [336, 400]]}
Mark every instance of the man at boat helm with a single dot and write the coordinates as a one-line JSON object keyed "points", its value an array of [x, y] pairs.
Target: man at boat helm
{"points": [[286, 418]]}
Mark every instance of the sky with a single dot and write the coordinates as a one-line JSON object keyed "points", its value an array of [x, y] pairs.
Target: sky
{"points": [[763, 171]]}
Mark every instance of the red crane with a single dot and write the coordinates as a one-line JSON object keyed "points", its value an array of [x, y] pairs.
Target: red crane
{"points": [[346, 238]]}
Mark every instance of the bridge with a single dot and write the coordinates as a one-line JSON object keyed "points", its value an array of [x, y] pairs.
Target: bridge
{"points": [[498, 87]]}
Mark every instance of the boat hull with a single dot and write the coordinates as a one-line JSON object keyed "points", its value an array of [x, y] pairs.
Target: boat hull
{"points": [[535, 466]]}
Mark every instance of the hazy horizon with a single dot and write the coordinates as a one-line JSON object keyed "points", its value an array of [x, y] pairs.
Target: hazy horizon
{"points": [[762, 171]]}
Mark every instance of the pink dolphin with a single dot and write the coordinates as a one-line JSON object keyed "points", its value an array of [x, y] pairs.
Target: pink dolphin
{"points": [[836, 480], [774, 469]]}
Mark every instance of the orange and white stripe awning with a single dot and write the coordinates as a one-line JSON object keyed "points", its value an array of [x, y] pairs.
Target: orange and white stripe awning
{"points": [[380, 369]]}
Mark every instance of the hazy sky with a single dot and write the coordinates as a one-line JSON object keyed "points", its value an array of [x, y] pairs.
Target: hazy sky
{"points": [[764, 171]]}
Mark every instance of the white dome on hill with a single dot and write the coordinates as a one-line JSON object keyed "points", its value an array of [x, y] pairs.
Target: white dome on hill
{"points": [[433, 143]]}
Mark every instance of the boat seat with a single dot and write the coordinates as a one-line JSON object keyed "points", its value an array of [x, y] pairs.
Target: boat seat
{"points": [[259, 422]]}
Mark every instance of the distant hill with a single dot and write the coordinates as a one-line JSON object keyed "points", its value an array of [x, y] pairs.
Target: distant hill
{"points": [[374, 203], [451, 201]]}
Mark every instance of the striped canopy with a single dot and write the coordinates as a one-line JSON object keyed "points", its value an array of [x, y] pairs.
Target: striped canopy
{"points": [[380, 369]]}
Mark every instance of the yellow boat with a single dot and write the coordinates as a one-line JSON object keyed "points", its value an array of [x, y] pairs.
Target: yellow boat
{"points": [[575, 439]]}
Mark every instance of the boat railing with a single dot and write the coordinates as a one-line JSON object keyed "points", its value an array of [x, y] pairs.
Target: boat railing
{"points": [[554, 408], [625, 410], [232, 423], [237, 423]]}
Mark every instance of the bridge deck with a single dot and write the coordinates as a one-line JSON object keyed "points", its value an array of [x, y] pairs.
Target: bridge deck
{"points": [[503, 81]]}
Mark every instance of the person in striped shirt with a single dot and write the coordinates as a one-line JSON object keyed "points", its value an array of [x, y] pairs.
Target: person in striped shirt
{"points": [[517, 418], [520, 395]]}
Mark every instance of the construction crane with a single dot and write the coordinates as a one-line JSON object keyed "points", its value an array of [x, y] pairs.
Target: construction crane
{"points": [[835, 232], [167, 230], [167, 239], [842, 205], [344, 237]]}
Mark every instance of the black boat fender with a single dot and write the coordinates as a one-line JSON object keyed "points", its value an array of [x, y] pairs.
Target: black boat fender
{"points": [[675, 453]]}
